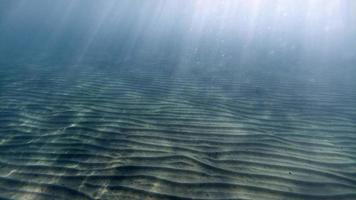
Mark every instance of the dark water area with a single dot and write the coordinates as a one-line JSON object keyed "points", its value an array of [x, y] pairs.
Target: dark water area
{"points": [[154, 99]]}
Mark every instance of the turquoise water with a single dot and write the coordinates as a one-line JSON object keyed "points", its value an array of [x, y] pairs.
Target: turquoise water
{"points": [[177, 99]]}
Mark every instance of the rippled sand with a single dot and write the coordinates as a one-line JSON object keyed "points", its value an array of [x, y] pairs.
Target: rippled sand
{"points": [[91, 133]]}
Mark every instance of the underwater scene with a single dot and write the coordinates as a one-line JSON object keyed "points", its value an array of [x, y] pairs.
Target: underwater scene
{"points": [[178, 99]]}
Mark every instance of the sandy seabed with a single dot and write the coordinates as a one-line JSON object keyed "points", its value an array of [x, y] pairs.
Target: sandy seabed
{"points": [[89, 133]]}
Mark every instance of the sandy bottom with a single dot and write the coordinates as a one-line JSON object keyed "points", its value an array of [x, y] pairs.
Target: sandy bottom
{"points": [[98, 134]]}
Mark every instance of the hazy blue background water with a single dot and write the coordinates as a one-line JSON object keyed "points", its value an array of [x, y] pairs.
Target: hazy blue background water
{"points": [[314, 39]]}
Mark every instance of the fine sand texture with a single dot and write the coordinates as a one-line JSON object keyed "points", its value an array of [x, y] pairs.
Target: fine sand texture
{"points": [[86, 132]]}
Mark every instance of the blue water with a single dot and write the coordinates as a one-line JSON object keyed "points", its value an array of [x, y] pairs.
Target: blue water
{"points": [[179, 99]]}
